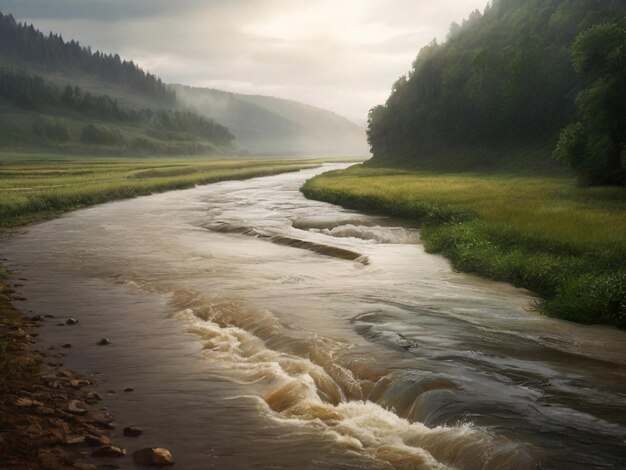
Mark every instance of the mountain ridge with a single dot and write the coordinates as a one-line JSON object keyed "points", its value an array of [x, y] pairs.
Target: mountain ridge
{"points": [[262, 125], [272, 125]]}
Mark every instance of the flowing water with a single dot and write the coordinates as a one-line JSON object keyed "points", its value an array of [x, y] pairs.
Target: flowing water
{"points": [[260, 329]]}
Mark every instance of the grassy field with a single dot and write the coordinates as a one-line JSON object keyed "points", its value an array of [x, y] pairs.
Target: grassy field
{"points": [[564, 242], [31, 190]]}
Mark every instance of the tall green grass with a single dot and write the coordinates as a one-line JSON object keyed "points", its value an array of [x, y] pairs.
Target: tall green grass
{"points": [[33, 190], [564, 242]]}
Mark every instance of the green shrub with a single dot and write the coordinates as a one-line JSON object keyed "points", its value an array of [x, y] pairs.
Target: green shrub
{"points": [[53, 130], [101, 135], [591, 298]]}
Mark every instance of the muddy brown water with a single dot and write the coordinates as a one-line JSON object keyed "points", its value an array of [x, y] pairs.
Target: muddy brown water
{"points": [[260, 329]]}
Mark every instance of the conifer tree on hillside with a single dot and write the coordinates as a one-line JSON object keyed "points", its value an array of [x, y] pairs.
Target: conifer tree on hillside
{"points": [[595, 145], [24, 45]]}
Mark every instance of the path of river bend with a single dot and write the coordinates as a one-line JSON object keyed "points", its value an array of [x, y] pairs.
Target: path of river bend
{"points": [[260, 329]]}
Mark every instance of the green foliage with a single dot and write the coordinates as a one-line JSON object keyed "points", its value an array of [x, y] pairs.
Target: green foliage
{"points": [[595, 145], [101, 118], [548, 235], [194, 133], [25, 90], [101, 135], [39, 189], [580, 296], [503, 77], [24, 44], [52, 129]]}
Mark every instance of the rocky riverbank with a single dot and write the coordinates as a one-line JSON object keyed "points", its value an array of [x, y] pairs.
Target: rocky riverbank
{"points": [[52, 418]]}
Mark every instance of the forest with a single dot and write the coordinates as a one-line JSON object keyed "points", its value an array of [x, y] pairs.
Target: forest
{"points": [[41, 112], [24, 45], [522, 73], [34, 93]]}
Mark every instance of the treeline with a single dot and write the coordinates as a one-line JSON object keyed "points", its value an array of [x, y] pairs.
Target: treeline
{"points": [[504, 76], [32, 92], [23, 44]]}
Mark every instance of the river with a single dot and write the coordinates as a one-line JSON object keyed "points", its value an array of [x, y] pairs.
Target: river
{"points": [[260, 329]]}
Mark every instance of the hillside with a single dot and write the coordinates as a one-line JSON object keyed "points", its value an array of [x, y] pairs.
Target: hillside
{"points": [[61, 96], [271, 126], [134, 112], [495, 94]]}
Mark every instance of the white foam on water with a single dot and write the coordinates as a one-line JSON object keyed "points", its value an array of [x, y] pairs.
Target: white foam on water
{"points": [[297, 390]]}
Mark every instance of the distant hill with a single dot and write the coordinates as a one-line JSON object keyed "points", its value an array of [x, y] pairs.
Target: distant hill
{"points": [[271, 126], [495, 94], [52, 89], [60, 96]]}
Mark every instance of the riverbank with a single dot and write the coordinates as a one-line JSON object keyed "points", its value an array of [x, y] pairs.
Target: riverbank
{"points": [[32, 190], [545, 234], [50, 418], [43, 424]]}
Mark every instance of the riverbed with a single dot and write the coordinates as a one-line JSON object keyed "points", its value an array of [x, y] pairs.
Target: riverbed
{"points": [[259, 329]]}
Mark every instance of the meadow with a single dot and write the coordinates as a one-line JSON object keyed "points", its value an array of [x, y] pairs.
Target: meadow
{"points": [[40, 187], [564, 242]]}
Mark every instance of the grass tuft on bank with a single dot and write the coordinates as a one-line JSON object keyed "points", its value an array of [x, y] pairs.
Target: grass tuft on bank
{"points": [[564, 242]]}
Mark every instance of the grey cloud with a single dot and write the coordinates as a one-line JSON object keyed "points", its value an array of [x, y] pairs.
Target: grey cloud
{"points": [[95, 10], [230, 44]]}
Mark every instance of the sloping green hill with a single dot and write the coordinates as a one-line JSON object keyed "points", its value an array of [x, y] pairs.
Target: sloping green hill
{"points": [[273, 126], [494, 95], [61, 96], [135, 112]]}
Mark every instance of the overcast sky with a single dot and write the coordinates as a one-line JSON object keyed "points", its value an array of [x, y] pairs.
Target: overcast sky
{"points": [[341, 55]]}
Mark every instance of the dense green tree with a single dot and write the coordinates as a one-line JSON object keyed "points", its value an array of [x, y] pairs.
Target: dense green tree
{"points": [[101, 135], [504, 78], [68, 95], [33, 92], [30, 52], [23, 44], [595, 145]]}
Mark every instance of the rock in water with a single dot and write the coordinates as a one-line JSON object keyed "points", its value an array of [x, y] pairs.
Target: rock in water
{"points": [[95, 440], [103, 342], [76, 407], [100, 418], [154, 456], [93, 398], [84, 466], [27, 403], [71, 321], [74, 439], [75, 383], [108, 451], [132, 431]]}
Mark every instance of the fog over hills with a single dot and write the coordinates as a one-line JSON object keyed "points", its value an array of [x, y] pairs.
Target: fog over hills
{"points": [[272, 126], [58, 94]]}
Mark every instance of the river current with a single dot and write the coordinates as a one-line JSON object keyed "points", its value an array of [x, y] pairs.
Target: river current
{"points": [[260, 329]]}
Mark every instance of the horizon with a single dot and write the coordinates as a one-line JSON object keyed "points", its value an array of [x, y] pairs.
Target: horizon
{"points": [[288, 50]]}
